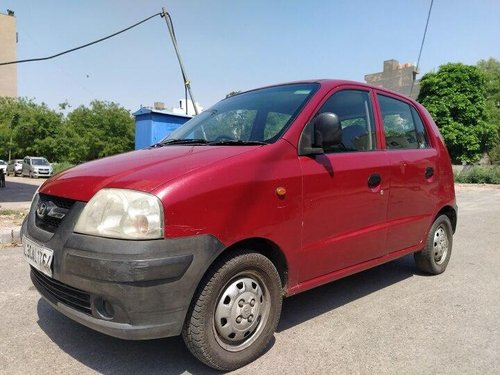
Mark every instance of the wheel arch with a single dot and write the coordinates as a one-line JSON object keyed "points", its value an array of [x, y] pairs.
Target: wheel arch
{"points": [[452, 215], [265, 247]]}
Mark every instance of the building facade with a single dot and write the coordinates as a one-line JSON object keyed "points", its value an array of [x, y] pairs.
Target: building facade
{"points": [[396, 77], [8, 40]]}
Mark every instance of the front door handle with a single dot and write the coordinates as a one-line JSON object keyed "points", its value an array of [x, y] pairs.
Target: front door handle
{"points": [[429, 172], [374, 180]]}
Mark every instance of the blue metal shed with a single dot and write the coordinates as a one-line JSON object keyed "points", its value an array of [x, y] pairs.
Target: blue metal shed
{"points": [[152, 125]]}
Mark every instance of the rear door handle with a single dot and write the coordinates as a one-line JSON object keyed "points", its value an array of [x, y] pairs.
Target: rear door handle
{"points": [[429, 172], [374, 180]]}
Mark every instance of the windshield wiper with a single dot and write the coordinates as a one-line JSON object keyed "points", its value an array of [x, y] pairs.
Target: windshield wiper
{"points": [[187, 141], [236, 142]]}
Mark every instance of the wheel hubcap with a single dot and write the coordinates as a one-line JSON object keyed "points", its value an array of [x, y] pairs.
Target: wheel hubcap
{"points": [[440, 245], [241, 312]]}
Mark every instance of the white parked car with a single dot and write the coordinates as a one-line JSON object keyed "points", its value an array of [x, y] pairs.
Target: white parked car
{"points": [[15, 167], [34, 167], [3, 165]]}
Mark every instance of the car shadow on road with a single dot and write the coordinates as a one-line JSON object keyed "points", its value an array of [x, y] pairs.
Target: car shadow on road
{"points": [[308, 305], [109, 355], [17, 192]]}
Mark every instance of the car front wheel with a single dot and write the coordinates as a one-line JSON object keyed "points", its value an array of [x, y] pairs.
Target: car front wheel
{"points": [[234, 312]]}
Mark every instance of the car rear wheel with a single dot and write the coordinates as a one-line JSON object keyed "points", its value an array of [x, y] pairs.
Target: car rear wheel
{"points": [[434, 257], [234, 312]]}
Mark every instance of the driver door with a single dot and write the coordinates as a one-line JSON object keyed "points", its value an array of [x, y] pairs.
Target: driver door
{"points": [[344, 192]]}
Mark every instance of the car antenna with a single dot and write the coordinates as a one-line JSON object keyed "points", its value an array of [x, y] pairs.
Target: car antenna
{"points": [[187, 82]]}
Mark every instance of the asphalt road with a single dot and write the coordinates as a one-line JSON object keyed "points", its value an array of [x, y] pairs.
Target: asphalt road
{"points": [[18, 192], [387, 320]]}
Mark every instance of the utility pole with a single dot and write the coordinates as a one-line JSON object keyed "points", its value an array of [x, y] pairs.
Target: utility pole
{"points": [[187, 82]]}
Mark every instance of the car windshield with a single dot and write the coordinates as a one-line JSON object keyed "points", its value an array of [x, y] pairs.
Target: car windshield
{"points": [[40, 161], [255, 117]]}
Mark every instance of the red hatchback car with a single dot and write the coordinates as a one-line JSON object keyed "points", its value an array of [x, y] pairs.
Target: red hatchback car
{"points": [[267, 194]]}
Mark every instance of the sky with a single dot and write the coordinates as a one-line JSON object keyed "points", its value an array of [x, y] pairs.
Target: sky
{"points": [[229, 45]]}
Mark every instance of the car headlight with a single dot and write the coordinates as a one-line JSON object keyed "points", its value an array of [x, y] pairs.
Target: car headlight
{"points": [[124, 214]]}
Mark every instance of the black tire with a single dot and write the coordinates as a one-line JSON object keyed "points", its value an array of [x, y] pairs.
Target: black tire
{"points": [[434, 257], [229, 287]]}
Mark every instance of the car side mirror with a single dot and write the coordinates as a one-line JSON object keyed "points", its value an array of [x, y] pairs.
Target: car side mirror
{"points": [[323, 132]]}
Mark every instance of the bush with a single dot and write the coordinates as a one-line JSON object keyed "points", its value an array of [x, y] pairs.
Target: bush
{"points": [[59, 167], [495, 154], [479, 175]]}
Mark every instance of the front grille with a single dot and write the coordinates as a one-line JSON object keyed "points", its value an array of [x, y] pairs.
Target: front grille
{"points": [[56, 291], [50, 223]]}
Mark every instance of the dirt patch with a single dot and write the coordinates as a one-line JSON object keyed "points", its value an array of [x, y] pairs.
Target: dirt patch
{"points": [[12, 218]]}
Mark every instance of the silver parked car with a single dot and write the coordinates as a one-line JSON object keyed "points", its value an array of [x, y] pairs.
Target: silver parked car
{"points": [[35, 166]]}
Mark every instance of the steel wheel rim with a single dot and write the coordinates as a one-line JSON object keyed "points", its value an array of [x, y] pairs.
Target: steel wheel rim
{"points": [[440, 245], [241, 312]]}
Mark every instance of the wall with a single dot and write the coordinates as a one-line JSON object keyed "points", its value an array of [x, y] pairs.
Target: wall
{"points": [[396, 77], [8, 73]]}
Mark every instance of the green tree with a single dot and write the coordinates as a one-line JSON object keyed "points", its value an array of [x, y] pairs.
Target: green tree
{"points": [[102, 129], [491, 70], [33, 128], [233, 93], [455, 96]]}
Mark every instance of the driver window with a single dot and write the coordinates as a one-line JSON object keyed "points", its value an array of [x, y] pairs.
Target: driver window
{"points": [[354, 110]]}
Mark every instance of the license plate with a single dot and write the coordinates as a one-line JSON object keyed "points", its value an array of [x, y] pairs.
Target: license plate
{"points": [[38, 256]]}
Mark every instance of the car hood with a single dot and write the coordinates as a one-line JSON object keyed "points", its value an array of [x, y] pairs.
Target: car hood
{"points": [[142, 170]]}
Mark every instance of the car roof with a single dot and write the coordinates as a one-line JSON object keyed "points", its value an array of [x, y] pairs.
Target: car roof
{"points": [[332, 83]]}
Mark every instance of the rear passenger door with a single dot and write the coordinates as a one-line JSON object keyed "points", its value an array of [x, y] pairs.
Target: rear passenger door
{"points": [[413, 173], [344, 200]]}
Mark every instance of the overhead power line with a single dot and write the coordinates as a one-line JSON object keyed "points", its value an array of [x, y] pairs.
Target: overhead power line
{"points": [[421, 46], [83, 46]]}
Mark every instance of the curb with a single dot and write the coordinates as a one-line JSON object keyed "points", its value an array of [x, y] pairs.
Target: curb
{"points": [[10, 236]]}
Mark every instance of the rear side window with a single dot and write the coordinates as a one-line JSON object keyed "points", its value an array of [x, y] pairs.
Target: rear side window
{"points": [[354, 110], [403, 127]]}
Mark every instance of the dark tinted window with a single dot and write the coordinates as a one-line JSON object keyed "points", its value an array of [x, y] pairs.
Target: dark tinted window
{"points": [[403, 127], [354, 110]]}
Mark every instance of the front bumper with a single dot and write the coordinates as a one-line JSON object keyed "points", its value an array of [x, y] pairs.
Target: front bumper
{"points": [[127, 289], [38, 173]]}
